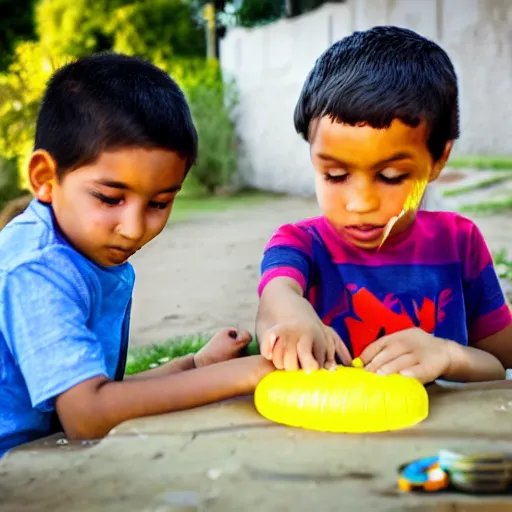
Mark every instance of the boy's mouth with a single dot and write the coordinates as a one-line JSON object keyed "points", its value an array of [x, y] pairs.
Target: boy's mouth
{"points": [[365, 232], [120, 253]]}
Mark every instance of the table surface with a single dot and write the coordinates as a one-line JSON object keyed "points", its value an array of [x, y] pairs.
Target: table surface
{"points": [[227, 457]]}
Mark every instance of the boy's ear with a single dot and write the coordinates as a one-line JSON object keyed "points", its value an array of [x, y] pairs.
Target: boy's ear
{"points": [[439, 165], [42, 174]]}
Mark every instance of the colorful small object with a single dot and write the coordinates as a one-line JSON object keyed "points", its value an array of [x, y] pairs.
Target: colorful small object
{"points": [[423, 475], [468, 469], [477, 470]]}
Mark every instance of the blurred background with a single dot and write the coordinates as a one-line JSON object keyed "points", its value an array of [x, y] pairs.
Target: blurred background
{"points": [[241, 65]]}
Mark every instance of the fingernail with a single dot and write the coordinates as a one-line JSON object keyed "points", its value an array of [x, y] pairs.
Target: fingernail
{"points": [[380, 372], [233, 334]]}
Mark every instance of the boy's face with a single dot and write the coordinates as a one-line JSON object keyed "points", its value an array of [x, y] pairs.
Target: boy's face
{"points": [[110, 209], [364, 175]]}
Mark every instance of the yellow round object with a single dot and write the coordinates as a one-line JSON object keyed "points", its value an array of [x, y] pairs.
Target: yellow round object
{"points": [[341, 400], [357, 362]]}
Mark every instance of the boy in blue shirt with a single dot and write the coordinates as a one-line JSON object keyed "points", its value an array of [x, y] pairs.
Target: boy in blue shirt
{"points": [[114, 142]]}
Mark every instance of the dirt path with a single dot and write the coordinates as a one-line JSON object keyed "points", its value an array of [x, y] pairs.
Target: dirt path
{"points": [[200, 275]]}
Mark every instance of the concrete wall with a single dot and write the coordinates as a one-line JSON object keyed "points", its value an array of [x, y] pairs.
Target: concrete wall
{"points": [[270, 64]]}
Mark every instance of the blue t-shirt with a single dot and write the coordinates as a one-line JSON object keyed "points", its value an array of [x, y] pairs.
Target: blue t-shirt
{"points": [[63, 320]]}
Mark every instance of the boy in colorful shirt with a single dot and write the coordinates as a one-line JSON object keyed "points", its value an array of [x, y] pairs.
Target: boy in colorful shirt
{"points": [[380, 112], [114, 142]]}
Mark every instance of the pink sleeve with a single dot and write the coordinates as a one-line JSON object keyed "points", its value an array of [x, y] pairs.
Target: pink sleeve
{"points": [[287, 254], [486, 307]]}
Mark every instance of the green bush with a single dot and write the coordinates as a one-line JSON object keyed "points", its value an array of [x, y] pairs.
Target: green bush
{"points": [[9, 184], [21, 89], [213, 104], [162, 31], [150, 28], [258, 12]]}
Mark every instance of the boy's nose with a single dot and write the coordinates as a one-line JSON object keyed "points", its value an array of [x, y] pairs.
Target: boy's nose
{"points": [[131, 225], [362, 199]]}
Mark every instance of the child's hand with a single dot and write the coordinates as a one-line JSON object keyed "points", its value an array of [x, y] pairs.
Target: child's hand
{"points": [[226, 344], [256, 368], [412, 352], [306, 345]]}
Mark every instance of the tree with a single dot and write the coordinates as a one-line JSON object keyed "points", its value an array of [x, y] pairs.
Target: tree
{"points": [[166, 32], [160, 28], [292, 8], [246, 13], [250, 13], [257, 12], [16, 24]]}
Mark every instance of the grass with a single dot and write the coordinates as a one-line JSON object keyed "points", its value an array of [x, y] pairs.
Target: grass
{"points": [[141, 359], [193, 200], [187, 206], [144, 358], [497, 206], [503, 265], [493, 180], [481, 162]]}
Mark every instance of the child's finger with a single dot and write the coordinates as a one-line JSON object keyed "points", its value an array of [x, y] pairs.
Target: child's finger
{"points": [[330, 355], [290, 358], [386, 355], [320, 352], [371, 351], [397, 365], [416, 372], [305, 354], [278, 353], [268, 341], [242, 337], [341, 349]]}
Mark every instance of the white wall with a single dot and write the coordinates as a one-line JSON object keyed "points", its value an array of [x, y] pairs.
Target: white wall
{"points": [[270, 64]]}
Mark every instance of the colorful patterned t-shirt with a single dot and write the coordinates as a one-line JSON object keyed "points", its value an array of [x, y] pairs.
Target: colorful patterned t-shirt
{"points": [[438, 275]]}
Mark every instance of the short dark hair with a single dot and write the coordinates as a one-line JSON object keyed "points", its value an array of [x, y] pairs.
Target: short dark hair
{"points": [[379, 75], [110, 101]]}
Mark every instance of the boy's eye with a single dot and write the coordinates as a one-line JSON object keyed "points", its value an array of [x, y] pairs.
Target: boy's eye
{"points": [[158, 205], [392, 176], [106, 199], [336, 176]]}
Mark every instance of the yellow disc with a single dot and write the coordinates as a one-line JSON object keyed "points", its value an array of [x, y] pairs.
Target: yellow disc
{"points": [[344, 400]]}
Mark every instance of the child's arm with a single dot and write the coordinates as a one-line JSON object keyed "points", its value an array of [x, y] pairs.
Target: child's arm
{"points": [[93, 407], [178, 365], [499, 345], [225, 345], [290, 332], [45, 316], [288, 328], [488, 315]]}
